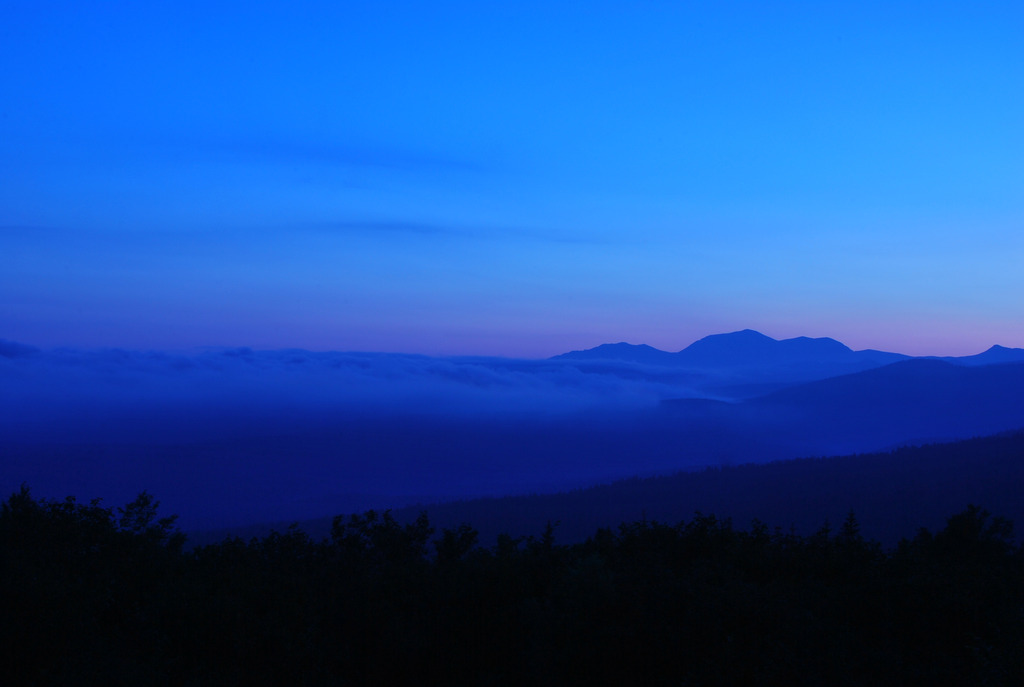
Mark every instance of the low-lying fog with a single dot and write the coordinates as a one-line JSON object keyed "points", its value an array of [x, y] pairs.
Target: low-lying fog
{"points": [[237, 434], [234, 436]]}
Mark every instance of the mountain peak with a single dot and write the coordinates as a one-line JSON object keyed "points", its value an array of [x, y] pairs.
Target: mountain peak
{"points": [[639, 353], [742, 338], [625, 345], [750, 348], [747, 334], [993, 356]]}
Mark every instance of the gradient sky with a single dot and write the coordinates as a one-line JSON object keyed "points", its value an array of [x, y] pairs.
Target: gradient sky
{"points": [[511, 178]]}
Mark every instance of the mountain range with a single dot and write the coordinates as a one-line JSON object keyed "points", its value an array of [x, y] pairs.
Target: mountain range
{"points": [[748, 348], [748, 363], [911, 401]]}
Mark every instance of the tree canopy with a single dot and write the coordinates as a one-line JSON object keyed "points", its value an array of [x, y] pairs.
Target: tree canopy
{"points": [[95, 594]]}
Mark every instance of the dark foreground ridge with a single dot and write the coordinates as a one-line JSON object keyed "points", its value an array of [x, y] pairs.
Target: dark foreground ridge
{"points": [[893, 493], [91, 595]]}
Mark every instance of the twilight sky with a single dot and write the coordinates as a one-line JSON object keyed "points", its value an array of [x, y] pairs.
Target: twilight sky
{"points": [[512, 179]]}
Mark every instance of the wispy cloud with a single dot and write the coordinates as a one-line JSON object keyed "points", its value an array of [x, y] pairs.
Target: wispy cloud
{"points": [[237, 433], [392, 227], [315, 383], [284, 150], [426, 229]]}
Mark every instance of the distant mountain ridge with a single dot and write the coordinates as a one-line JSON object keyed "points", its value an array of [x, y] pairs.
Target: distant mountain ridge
{"points": [[993, 356], [748, 348], [933, 397], [910, 401], [622, 351], [747, 364]]}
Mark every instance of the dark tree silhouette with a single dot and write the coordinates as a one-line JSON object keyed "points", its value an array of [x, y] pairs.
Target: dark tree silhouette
{"points": [[92, 594]]}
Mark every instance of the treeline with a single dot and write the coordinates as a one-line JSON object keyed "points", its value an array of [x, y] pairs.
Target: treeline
{"points": [[93, 595], [892, 492]]}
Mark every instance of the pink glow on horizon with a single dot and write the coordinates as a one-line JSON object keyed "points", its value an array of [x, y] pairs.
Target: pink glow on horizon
{"points": [[516, 340]]}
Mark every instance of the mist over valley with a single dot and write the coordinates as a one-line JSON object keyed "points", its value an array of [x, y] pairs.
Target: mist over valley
{"points": [[230, 437]]}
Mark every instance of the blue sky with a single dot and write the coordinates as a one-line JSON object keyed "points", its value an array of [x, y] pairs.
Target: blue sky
{"points": [[511, 178]]}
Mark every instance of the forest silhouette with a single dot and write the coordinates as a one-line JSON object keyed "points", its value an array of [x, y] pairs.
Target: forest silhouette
{"points": [[94, 595]]}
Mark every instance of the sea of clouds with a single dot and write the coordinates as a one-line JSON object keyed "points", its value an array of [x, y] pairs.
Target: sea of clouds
{"points": [[236, 435], [63, 391]]}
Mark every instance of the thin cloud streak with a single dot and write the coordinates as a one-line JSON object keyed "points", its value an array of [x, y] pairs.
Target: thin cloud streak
{"points": [[285, 151], [497, 232]]}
